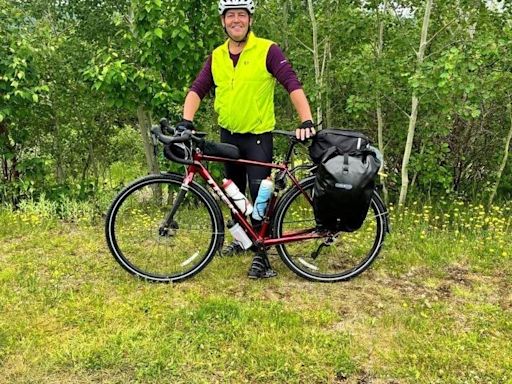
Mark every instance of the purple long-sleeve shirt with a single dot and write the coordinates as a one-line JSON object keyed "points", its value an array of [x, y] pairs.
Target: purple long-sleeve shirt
{"points": [[277, 65]]}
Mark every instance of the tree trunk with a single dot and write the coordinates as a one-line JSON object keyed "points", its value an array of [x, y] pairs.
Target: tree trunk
{"points": [[88, 162], [286, 43], [414, 106], [408, 148], [5, 139], [316, 62], [10, 173], [380, 120], [380, 129], [59, 170], [325, 96], [504, 159], [151, 160], [5, 171], [145, 128]]}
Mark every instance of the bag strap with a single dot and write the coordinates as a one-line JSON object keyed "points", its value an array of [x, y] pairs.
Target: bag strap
{"points": [[328, 153], [345, 163], [331, 151]]}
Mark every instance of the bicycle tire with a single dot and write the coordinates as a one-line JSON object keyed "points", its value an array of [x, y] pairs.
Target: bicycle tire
{"points": [[138, 244], [344, 259]]}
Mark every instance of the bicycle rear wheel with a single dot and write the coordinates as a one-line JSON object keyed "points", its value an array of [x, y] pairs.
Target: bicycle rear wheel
{"points": [[144, 247], [335, 257]]}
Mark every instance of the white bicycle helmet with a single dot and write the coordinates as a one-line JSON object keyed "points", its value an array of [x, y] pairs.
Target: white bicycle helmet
{"points": [[236, 4]]}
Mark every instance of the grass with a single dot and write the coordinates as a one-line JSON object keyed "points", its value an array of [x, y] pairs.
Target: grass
{"points": [[436, 307]]}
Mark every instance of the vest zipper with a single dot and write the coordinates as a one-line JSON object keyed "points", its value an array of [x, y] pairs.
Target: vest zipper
{"points": [[233, 82], [232, 91]]}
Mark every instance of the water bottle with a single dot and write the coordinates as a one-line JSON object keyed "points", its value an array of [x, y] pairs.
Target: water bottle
{"points": [[238, 197], [264, 195], [239, 235]]}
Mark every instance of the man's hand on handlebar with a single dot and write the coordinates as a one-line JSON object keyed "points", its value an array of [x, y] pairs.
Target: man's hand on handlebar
{"points": [[305, 130], [184, 125]]}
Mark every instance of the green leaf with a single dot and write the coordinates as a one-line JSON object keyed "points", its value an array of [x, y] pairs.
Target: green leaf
{"points": [[35, 98], [475, 113], [159, 32]]}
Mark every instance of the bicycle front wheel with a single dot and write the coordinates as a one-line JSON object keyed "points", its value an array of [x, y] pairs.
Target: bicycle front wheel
{"points": [[145, 242], [335, 257]]}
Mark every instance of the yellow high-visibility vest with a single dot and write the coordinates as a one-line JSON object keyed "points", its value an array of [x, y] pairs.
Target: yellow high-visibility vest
{"points": [[244, 95]]}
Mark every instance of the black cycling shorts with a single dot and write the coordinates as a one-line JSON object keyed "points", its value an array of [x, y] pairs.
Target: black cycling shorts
{"points": [[252, 146]]}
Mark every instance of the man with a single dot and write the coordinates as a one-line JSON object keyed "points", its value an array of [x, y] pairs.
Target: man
{"points": [[243, 72]]}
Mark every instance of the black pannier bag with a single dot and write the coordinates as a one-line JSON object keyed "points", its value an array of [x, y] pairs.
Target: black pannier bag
{"points": [[345, 178]]}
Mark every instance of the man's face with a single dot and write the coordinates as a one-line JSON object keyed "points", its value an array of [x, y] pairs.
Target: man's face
{"points": [[236, 22]]}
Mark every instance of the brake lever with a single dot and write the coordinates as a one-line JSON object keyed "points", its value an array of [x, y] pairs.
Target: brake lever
{"points": [[166, 128], [164, 122]]}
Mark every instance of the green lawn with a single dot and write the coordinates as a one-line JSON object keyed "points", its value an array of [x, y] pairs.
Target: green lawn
{"points": [[435, 307]]}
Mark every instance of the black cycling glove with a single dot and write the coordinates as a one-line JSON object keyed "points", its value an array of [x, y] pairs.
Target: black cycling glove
{"points": [[305, 130], [307, 124], [185, 124]]}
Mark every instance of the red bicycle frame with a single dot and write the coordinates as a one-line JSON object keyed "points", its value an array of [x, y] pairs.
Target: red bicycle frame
{"points": [[262, 237]]}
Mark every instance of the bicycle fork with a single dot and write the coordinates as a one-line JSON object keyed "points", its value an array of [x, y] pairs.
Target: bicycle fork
{"points": [[168, 225]]}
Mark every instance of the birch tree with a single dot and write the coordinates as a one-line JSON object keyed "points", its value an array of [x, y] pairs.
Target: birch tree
{"points": [[378, 97], [316, 60], [414, 104], [504, 158]]}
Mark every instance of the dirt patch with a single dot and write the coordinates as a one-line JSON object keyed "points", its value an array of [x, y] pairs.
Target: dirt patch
{"points": [[504, 294], [444, 290], [459, 274], [363, 377]]}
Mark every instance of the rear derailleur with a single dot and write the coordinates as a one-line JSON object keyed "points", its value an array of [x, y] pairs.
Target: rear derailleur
{"points": [[327, 242]]}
